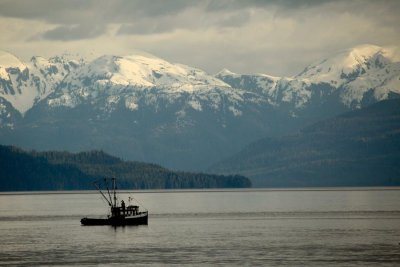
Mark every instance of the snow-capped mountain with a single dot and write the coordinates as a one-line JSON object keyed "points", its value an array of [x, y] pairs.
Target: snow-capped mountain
{"points": [[24, 84], [357, 71], [145, 72], [133, 79], [356, 76], [144, 108]]}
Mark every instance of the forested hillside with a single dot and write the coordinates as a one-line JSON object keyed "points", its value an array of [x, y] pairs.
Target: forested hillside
{"points": [[22, 170], [359, 148]]}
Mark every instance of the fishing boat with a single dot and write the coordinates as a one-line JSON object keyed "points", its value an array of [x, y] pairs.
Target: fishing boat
{"points": [[119, 214]]}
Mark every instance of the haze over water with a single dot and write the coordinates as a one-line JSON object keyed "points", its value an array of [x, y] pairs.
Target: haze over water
{"points": [[260, 227]]}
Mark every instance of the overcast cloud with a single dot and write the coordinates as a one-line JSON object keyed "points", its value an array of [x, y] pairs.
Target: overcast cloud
{"points": [[273, 37]]}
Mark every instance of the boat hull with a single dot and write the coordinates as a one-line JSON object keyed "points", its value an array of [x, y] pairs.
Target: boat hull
{"points": [[140, 219]]}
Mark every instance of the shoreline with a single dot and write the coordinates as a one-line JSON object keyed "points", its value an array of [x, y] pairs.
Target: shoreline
{"points": [[210, 190]]}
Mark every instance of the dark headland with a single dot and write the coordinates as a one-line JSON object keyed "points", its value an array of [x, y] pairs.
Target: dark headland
{"points": [[52, 170]]}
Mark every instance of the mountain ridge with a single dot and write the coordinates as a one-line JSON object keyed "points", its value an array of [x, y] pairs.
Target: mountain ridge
{"points": [[147, 109], [140, 71]]}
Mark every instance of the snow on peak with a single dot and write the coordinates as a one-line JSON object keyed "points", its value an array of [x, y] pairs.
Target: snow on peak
{"points": [[142, 71], [42, 61], [346, 64], [225, 72], [8, 60], [357, 71], [269, 77], [364, 50], [28, 83], [354, 72]]}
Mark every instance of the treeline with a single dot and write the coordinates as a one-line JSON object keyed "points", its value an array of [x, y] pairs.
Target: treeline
{"points": [[53, 170]]}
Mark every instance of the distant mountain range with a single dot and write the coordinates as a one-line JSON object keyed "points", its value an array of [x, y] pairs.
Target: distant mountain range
{"points": [[141, 107], [358, 148], [53, 170]]}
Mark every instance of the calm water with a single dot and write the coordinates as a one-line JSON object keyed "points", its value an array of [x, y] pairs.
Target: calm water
{"points": [[269, 228]]}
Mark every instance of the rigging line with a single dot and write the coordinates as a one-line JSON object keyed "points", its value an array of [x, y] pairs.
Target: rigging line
{"points": [[108, 190], [103, 200], [98, 188]]}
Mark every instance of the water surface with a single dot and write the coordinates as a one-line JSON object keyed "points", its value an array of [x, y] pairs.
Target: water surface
{"points": [[250, 227]]}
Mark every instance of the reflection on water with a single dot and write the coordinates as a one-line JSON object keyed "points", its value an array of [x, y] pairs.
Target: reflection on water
{"points": [[289, 228]]}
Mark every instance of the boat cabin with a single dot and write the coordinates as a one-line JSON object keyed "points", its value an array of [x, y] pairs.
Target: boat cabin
{"points": [[131, 210]]}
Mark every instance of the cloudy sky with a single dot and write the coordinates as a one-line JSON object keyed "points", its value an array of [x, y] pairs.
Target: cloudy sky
{"points": [[275, 37]]}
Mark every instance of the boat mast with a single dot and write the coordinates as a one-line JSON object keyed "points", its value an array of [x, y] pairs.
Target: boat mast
{"points": [[115, 194]]}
